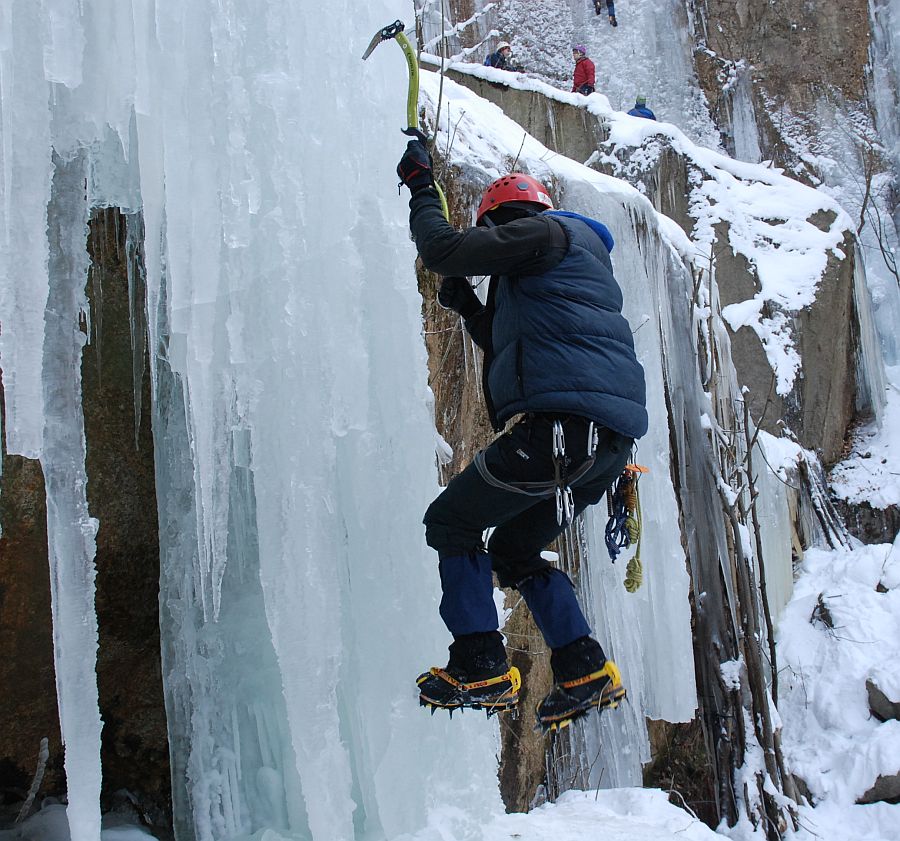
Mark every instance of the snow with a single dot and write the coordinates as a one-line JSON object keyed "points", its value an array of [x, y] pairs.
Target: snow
{"points": [[620, 814], [831, 740], [869, 473], [616, 814]]}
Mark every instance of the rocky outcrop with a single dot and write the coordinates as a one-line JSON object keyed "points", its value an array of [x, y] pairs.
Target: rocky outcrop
{"points": [[885, 790], [28, 712], [867, 523], [821, 405], [882, 707], [795, 53]]}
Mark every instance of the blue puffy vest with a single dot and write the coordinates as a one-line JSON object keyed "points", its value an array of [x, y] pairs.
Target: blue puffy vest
{"points": [[561, 344]]}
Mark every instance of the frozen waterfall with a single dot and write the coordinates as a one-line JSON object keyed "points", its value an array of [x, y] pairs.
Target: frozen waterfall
{"points": [[294, 442]]}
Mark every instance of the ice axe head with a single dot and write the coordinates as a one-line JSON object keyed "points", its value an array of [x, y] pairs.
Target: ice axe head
{"points": [[386, 34]]}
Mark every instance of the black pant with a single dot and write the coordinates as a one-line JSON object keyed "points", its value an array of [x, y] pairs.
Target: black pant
{"points": [[456, 520]]}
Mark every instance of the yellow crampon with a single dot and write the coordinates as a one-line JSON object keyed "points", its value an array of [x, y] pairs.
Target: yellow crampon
{"points": [[609, 698], [475, 695]]}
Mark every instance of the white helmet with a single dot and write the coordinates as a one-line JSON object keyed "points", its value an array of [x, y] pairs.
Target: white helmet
{"points": [[503, 45]]}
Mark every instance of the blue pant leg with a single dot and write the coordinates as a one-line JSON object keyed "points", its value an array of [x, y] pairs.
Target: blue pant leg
{"points": [[551, 599], [467, 602]]}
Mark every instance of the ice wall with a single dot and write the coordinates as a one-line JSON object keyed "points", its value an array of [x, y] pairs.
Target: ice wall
{"points": [[25, 117], [291, 323], [744, 130], [883, 230], [70, 528], [294, 444]]}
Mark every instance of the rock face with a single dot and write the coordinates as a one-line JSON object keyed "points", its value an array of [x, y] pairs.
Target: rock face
{"points": [[882, 707], [28, 712], [121, 495], [821, 405], [797, 52]]}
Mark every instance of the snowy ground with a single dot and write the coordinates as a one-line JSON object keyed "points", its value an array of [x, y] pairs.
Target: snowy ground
{"points": [[871, 473], [616, 814], [841, 629], [831, 740]]}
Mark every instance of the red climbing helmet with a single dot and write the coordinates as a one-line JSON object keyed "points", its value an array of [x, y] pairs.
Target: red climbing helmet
{"points": [[513, 187]]}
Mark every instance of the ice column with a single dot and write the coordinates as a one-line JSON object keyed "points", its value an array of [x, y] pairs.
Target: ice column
{"points": [[70, 528], [295, 447], [25, 183], [744, 131], [648, 631]]}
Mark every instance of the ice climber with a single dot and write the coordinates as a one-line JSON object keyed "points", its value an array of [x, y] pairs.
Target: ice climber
{"points": [[610, 10], [501, 57], [583, 80], [559, 358], [640, 108]]}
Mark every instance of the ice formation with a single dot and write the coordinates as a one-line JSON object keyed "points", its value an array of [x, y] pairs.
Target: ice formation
{"points": [[293, 437]]}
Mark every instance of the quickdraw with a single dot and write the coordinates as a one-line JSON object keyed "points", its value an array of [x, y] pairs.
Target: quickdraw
{"points": [[624, 525], [565, 501]]}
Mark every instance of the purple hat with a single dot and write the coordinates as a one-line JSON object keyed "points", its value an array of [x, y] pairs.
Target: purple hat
{"points": [[580, 48]]}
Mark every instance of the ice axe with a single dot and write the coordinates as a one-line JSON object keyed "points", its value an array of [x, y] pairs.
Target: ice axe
{"points": [[394, 32]]}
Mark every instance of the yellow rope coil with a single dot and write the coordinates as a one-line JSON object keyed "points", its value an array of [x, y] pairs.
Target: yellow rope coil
{"points": [[634, 572], [634, 575]]}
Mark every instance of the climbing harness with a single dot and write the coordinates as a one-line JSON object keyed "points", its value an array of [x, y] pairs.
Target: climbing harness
{"points": [[624, 525], [565, 502], [394, 31], [563, 478]]}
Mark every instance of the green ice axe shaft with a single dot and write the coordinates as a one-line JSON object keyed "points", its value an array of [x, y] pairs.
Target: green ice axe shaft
{"points": [[395, 32]]}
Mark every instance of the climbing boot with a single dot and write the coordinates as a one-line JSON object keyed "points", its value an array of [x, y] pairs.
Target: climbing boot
{"points": [[477, 676], [613, 21], [583, 680]]}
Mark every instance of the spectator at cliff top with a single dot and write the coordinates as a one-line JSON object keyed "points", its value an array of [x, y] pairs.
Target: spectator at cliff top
{"points": [[584, 79], [501, 57], [641, 110]]}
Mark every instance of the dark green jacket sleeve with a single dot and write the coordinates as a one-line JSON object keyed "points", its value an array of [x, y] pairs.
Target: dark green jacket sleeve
{"points": [[529, 246]]}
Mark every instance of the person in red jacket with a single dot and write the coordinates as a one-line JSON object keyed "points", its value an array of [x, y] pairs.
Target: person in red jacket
{"points": [[583, 81]]}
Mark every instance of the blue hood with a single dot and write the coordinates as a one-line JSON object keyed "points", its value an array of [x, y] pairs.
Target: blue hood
{"points": [[597, 227]]}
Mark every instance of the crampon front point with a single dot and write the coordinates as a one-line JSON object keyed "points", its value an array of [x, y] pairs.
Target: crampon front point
{"points": [[571, 699], [438, 689]]}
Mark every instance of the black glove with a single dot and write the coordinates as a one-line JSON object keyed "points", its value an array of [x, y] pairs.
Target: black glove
{"points": [[456, 294], [414, 168]]}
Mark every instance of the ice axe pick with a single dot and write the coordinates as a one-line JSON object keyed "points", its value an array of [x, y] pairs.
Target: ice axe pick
{"points": [[394, 32]]}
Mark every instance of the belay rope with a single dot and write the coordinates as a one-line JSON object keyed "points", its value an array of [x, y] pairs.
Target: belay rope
{"points": [[624, 525]]}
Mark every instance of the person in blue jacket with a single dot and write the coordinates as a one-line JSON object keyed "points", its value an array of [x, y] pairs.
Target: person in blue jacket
{"points": [[559, 361], [641, 110], [500, 58]]}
